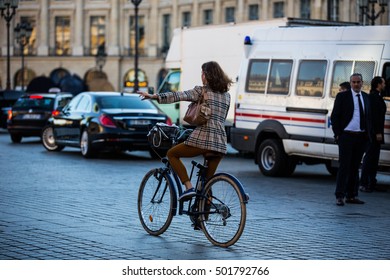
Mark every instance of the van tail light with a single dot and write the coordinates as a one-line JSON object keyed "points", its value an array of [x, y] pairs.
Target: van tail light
{"points": [[106, 121], [169, 121], [9, 114]]}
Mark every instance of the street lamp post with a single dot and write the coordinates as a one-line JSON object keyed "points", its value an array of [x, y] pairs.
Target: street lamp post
{"points": [[370, 12], [136, 4], [8, 9], [22, 35], [101, 57]]}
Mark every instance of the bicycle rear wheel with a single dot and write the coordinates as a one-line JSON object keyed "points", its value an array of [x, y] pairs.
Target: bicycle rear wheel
{"points": [[155, 201], [224, 211]]}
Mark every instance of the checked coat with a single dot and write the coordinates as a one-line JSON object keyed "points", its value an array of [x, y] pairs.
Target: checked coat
{"points": [[212, 135]]}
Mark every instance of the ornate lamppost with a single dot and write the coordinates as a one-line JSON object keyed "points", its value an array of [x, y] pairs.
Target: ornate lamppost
{"points": [[101, 57], [22, 35], [369, 12], [136, 4], [8, 9]]}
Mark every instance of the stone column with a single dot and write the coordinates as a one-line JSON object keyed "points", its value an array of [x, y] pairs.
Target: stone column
{"points": [[290, 9], [316, 10], [240, 12], [113, 44], [217, 17], [264, 11], [43, 25], [196, 17], [154, 29], [78, 28]]}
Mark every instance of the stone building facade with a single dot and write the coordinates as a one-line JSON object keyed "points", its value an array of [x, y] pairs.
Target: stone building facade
{"points": [[67, 34]]}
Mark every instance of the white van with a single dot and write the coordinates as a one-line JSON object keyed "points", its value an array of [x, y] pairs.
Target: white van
{"points": [[287, 84], [191, 47]]}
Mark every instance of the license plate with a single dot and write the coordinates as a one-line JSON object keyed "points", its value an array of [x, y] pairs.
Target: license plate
{"points": [[32, 117], [139, 122]]}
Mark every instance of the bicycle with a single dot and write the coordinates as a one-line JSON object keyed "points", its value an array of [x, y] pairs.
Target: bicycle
{"points": [[218, 208]]}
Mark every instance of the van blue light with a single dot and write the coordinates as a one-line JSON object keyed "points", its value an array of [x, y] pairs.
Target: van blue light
{"points": [[247, 40]]}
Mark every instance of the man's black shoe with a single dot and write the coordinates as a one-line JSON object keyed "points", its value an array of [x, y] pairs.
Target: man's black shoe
{"points": [[354, 200], [365, 189], [339, 202]]}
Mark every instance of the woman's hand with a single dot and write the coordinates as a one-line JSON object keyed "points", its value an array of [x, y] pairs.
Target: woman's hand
{"points": [[145, 95]]}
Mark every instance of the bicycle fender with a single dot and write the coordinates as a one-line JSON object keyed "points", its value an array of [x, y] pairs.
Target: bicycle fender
{"points": [[238, 183]]}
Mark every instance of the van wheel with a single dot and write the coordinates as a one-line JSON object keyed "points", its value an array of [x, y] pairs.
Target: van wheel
{"points": [[272, 159], [48, 140], [86, 146], [331, 169]]}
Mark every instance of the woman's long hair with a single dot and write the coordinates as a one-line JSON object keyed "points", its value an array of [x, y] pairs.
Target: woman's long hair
{"points": [[216, 78]]}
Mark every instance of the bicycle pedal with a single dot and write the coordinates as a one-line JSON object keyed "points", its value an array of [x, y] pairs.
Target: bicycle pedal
{"points": [[196, 227]]}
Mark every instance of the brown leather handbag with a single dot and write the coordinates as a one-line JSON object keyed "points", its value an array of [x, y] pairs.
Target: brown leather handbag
{"points": [[198, 113]]}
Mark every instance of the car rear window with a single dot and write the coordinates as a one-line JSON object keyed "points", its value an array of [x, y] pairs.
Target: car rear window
{"points": [[124, 102], [34, 102]]}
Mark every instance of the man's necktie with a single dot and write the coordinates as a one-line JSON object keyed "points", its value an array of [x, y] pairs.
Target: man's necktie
{"points": [[361, 114]]}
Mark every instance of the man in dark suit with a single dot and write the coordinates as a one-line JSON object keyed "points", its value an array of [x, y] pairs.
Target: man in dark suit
{"points": [[350, 123], [371, 157]]}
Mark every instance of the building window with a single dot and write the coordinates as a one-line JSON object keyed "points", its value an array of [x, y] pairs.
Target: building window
{"points": [[229, 14], [141, 35], [186, 20], [30, 48], [97, 33], [305, 9], [278, 9], [62, 35], [333, 10], [207, 17], [166, 32], [253, 12]]}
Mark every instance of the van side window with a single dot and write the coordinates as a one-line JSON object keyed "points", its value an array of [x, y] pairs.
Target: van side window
{"points": [[257, 76], [344, 69], [279, 79], [311, 76]]}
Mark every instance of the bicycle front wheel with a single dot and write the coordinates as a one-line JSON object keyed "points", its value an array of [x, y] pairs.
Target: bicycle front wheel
{"points": [[223, 212], [155, 201]]}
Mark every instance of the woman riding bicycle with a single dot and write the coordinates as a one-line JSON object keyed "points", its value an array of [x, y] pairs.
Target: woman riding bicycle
{"points": [[207, 138]]}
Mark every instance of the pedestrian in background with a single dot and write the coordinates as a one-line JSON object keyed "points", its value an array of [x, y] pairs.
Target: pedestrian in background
{"points": [[371, 157], [344, 86], [350, 125]]}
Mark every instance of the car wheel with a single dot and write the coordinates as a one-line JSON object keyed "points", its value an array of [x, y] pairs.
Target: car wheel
{"points": [[16, 138], [272, 159], [48, 140], [85, 145]]}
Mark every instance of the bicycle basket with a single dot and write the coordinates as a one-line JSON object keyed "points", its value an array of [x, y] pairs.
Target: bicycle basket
{"points": [[163, 136]]}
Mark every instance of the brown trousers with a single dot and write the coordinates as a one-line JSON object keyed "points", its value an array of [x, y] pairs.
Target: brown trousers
{"points": [[182, 150]]}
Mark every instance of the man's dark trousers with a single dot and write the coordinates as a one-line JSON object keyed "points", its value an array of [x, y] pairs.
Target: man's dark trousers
{"points": [[351, 149]]}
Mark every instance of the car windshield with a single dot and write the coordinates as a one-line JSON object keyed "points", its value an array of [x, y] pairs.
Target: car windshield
{"points": [[124, 102], [34, 102]]}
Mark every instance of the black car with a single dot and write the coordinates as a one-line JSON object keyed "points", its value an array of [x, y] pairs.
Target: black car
{"points": [[103, 121], [30, 113], [7, 99]]}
